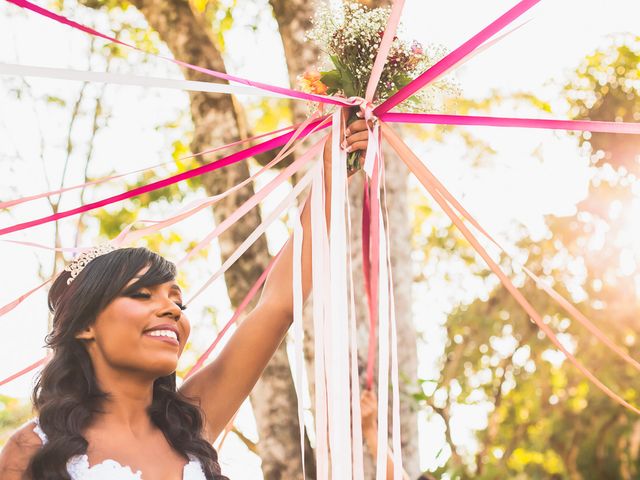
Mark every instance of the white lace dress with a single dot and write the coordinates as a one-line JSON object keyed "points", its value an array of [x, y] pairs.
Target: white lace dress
{"points": [[79, 469]]}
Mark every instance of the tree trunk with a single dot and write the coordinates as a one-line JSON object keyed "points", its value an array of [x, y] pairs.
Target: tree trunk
{"points": [[293, 17], [400, 244], [294, 20], [399, 239], [216, 122]]}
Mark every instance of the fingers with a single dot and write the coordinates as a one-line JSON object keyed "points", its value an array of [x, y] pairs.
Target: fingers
{"points": [[369, 401], [356, 141], [358, 126]]}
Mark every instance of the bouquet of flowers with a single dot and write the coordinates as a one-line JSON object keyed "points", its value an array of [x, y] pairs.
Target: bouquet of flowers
{"points": [[350, 34]]}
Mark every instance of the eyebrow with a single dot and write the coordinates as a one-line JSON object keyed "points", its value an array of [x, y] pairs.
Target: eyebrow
{"points": [[175, 286]]}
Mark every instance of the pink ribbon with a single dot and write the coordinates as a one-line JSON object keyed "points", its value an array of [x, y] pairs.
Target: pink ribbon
{"points": [[24, 371], [234, 319], [581, 125], [223, 162], [30, 198], [14, 303], [356, 415], [320, 280], [456, 56], [270, 88], [198, 205], [383, 50], [420, 171], [371, 248]]}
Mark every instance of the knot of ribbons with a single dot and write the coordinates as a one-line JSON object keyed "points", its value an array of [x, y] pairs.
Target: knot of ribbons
{"points": [[371, 212], [366, 108]]}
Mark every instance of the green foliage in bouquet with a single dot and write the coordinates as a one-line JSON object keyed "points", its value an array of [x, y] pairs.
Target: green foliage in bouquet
{"points": [[350, 35]]}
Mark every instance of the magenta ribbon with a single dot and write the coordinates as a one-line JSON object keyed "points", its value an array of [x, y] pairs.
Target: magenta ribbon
{"points": [[30, 198], [223, 162], [456, 56], [370, 227], [236, 316], [581, 125]]}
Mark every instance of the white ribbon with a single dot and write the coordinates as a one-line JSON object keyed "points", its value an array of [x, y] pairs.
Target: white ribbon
{"points": [[320, 245], [338, 391], [131, 80], [298, 330]]}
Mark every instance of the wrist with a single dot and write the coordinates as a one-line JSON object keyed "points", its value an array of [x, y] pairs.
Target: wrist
{"points": [[369, 430]]}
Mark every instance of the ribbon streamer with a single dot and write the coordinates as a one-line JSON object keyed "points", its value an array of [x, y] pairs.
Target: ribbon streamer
{"points": [[287, 92], [298, 329], [356, 416], [131, 80], [455, 57], [30, 198], [487, 121], [223, 162], [338, 389], [395, 376], [14, 303], [257, 232], [24, 371], [418, 169], [559, 299]]}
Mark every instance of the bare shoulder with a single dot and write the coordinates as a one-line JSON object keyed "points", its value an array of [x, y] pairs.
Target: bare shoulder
{"points": [[17, 452]]}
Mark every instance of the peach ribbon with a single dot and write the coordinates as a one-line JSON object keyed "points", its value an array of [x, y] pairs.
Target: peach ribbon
{"points": [[424, 176]]}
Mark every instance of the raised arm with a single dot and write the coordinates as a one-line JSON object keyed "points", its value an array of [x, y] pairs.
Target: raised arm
{"points": [[222, 386]]}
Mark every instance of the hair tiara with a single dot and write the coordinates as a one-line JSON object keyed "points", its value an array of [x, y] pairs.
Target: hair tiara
{"points": [[82, 260]]}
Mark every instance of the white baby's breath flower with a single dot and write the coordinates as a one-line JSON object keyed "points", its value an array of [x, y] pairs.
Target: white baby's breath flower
{"points": [[350, 35]]}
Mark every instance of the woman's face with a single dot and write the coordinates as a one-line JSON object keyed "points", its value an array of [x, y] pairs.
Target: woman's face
{"points": [[143, 332]]}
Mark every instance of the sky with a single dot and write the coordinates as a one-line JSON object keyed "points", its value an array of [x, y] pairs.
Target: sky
{"points": [[536, 58]]}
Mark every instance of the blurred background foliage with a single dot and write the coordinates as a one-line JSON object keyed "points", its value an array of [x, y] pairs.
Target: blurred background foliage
{"points": [[541, 419]]}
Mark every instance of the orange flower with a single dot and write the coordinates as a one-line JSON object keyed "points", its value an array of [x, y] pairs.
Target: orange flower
{"points": [[320, 88], [310, 82], [312, 75]]}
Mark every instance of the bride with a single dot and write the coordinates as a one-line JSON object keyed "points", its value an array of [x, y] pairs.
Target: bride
{"points": [[107, 403]]}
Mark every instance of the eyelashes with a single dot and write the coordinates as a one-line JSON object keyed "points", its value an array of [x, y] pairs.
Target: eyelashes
{"points": [[146, 296], [140, 295]]}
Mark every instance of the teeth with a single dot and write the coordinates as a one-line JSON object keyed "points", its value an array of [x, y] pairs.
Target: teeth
{"points": [[163, 333]]}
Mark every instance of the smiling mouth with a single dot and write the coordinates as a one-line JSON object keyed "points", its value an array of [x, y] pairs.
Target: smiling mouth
{"points": [[168, 336]]}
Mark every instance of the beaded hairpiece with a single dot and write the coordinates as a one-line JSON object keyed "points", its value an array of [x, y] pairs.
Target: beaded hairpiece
{"points": [[82, 260]]}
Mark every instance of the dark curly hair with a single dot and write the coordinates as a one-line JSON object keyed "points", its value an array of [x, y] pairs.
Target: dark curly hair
{"points": [[66, 395]]}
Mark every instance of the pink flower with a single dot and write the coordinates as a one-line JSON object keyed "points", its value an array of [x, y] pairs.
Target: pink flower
{"points": [[416, 48]]}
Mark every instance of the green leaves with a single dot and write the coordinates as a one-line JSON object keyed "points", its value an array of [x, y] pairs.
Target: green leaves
{"points": [[333, 80], [340, 79]]}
